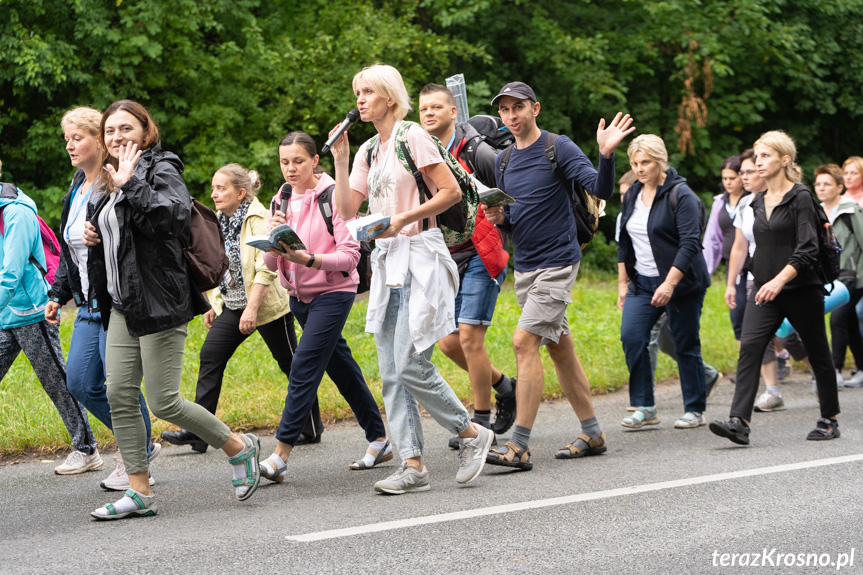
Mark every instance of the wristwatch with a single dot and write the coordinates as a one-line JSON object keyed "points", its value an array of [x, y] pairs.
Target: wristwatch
{"points": [[311, 260]]}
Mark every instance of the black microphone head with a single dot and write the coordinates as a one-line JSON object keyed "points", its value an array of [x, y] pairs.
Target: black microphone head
{"points": [[353, 116], [285, 190]]}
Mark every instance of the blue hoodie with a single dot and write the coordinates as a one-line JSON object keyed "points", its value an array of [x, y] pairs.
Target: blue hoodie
{"points": [[23, 289]]}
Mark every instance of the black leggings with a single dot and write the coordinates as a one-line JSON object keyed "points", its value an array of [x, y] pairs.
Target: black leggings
{"points": [[845, 331]]}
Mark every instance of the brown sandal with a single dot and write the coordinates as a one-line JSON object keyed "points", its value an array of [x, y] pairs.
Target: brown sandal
{"points": [[594, 447], [510, 456]]}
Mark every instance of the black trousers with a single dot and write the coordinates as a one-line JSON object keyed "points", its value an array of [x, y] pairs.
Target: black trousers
{"points": [[222, 341], [804, 308], [845, 329]]}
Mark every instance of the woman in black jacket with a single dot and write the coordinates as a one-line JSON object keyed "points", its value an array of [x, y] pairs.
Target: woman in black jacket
{"points": [[142, 287], [85, 363], [786, 285], [661, 269]]}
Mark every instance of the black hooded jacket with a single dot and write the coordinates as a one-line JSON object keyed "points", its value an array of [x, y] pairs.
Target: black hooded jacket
{"points": [[156, 292], [675, 237]]}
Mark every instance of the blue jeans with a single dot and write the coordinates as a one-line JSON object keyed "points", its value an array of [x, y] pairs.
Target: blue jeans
{"points": [[85, 369], [408, 376], [477, 294], [322, 348], [684, 318]]}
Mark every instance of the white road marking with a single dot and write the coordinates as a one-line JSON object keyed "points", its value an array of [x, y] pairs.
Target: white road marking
{"points": [[567, 500]]}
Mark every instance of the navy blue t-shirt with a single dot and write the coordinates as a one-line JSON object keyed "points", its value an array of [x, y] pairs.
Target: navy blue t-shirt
{"points": [[541, 220]]}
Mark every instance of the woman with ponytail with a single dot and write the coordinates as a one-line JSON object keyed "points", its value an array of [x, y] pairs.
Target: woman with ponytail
{"points": [[785, 228], [248, 299]]}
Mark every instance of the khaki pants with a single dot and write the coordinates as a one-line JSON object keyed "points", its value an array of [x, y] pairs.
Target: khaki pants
{"points": [[158, 359]]}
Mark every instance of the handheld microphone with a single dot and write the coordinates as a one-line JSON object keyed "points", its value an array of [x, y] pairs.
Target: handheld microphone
{"points": [[285, 195], [349, 121]]}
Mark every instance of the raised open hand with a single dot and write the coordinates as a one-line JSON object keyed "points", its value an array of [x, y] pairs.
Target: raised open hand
{"points": [[608, 138], [129, 156]]}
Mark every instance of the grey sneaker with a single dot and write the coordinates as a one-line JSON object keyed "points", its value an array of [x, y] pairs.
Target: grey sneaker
{"points": [[471, 454], [769, 402], [405, 480]]}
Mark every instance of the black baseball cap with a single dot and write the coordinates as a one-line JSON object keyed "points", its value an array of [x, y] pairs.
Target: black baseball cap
{"points": [[518, 90]]}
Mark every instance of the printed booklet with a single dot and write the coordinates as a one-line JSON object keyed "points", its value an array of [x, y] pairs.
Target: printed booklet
{"points": [[494, 197], [282, 233], [368, 227]]}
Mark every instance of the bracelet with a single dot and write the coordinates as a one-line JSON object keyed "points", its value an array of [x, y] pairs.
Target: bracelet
{"points": [[311, 261]]}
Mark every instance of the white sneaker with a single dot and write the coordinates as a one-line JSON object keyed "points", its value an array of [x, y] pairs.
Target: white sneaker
{"points": [[119, 479], [78, 462], [770, 402], [472, 454], [840, 381], [856, 380]]}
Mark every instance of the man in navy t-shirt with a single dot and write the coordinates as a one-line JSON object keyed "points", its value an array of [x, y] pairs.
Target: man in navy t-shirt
{"points": [[546, 258]]}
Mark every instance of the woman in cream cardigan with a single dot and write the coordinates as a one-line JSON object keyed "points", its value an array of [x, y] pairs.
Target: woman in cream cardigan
{"points": [[248, 299]]}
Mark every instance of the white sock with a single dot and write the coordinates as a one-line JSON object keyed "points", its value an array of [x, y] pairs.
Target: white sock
{"points": [[240, 472], [376, 446], [268, 466], [773, 389], [126, 503]]}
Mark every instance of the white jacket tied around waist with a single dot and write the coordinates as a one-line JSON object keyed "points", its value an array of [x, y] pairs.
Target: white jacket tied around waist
{"points": [[434, 285]]}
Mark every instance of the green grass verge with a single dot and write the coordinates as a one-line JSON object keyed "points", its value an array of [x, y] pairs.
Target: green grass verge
{"points": [[254, 389]]}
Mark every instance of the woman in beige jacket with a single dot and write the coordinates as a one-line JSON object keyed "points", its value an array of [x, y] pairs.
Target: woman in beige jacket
{"points": [[249, 298]]}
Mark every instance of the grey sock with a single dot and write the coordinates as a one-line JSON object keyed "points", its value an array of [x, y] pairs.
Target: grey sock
{"points": [[520, 436], [589, 427], [503, 386], [483, 418]]}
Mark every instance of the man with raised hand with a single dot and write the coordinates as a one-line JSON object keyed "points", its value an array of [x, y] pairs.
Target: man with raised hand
{"points": [[481, 263], [547, 255]]}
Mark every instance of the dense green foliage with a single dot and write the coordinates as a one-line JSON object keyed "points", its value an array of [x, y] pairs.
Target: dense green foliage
{"points": [[226, 79]]}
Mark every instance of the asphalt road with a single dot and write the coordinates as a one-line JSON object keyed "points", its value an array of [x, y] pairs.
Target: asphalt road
{"points": [[660, 501]]}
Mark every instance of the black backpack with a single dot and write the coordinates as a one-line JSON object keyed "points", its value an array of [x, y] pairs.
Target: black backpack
{"points": [[492, 131], [827, 266], [586, 207], [364, 265], [325, 204], [702, 211]]}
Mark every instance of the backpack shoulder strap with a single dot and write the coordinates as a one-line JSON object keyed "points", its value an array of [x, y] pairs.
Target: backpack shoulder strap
{"points": [[504, 160], [7, 191], [325, 204], [421, 185], [672, 196]]}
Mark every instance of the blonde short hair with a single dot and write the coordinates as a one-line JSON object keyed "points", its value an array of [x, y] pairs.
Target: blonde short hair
{"points": [[651, 146], [857, 161], [85, 118], [783, 144], [386, 81]]}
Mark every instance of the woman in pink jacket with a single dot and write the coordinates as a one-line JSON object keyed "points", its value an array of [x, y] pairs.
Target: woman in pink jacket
{"points": [[322, 284]]}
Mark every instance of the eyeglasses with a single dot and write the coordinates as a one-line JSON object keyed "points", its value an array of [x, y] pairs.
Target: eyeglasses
{"points": [[747, 172]]}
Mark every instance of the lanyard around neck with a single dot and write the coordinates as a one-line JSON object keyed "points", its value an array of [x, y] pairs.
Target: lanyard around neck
{"points": [[80, 207]]}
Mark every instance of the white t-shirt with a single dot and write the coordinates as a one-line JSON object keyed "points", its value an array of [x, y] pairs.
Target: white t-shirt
{"points": [[73, 234], [744, 221], [636, 226]]}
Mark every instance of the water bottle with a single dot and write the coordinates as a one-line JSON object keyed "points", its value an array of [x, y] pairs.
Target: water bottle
{"points": [[459, 92], [834, 300]]}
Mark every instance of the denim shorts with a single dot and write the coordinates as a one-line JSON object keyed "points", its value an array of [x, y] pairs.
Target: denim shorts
{"points": [[477, 294]]}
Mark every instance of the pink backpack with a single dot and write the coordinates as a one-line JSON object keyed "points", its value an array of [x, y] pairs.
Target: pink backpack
{"points": [[50, 245]]}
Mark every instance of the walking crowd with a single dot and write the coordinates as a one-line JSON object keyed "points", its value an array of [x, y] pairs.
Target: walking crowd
{"points": [[125, 230]]}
